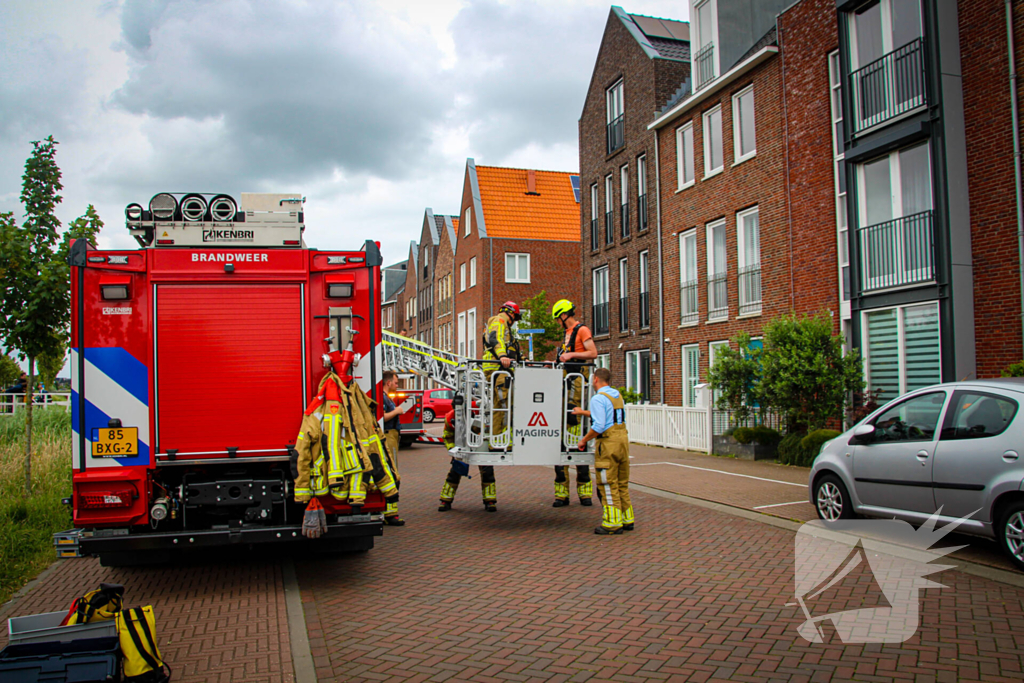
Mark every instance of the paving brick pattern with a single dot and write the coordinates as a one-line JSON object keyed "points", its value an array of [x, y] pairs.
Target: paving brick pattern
{"points": [[530, 594], [219, 618]]}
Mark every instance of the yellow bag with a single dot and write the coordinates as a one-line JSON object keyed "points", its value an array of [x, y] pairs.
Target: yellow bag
{"points": [[140, 657], [98, 605]]}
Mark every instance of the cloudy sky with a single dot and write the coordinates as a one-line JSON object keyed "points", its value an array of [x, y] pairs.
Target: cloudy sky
{"points": [[369, 109]]}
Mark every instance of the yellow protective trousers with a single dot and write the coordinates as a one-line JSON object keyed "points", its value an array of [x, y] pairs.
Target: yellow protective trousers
{"points": [[612, 464], [584, 486], [488, 486]]}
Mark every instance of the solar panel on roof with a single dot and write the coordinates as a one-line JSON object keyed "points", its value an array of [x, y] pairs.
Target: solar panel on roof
{"points": [[575, 179]]}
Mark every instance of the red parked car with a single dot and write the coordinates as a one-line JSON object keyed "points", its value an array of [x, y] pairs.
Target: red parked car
{"points": [[437, 403]]}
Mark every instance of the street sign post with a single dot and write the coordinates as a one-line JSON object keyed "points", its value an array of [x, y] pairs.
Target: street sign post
{"points": [[530, 333]]}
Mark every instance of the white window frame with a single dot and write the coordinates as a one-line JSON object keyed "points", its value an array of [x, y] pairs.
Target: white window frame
{"points": [[596, 290], [603, 360], [472, 272], [901, 345], [609, 193], [705, 118], [712, 273], [682, 150], [737, 132], [594, 203], [462, 277], [633, 383], [644, 272], [741, 256], [623, 288], [641, 175], [885, 6], [689, 271], [689, 382], [838, 170], [471, 332], [615, 101], [701, 40], [467, 222], [518, 260], [624, 185]]}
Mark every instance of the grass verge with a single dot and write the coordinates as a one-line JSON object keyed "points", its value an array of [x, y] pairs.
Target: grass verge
{"points": [[27, 527]]}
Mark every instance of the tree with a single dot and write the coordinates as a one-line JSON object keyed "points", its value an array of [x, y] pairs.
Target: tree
{"points": [[35, 304], [52, 362], [736, 377], [9, 371], [804, 373], [539, 317]]}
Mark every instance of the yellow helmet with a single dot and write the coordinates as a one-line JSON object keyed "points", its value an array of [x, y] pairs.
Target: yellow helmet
{"points": [[562, 307]]}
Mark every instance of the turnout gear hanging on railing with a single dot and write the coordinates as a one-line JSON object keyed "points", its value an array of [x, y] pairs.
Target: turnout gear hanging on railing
{"points": [[383, 472], [459, 469], [327, 450]]}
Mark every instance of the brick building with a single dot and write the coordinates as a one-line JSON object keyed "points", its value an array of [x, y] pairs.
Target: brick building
{"points": [[444, 284], [393, 278], [643, 62], [518, 234]]}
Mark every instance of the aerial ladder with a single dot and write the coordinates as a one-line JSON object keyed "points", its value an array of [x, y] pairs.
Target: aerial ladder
{"points": [[538, 425]]}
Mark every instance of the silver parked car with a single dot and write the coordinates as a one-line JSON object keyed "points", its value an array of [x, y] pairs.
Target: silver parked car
{"points": [[952, 446]]}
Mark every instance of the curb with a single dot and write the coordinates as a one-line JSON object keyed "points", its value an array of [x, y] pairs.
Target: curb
{"points": [[302, 658]]}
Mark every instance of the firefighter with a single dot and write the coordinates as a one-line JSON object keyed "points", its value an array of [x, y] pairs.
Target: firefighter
{"points": [[608, 426], [500, 345], [577, 346], [459, 469], [392, 413]]}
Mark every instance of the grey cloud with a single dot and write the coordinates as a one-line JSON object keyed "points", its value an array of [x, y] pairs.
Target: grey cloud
{"points": [[535, 65], [41, 87], [296, 90]]}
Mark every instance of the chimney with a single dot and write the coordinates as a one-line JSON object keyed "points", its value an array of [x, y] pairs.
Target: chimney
{"points": [[531, 182]]}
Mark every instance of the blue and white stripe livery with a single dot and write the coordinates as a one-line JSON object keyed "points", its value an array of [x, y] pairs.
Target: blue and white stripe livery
{"points": [[116, 385]]}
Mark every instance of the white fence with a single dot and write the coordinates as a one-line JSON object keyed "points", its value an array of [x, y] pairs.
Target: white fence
{"points": [[10, 404], [724, 420], [670, 426]]}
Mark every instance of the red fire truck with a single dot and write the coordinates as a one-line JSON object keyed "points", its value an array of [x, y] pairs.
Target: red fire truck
{"points": [[192, 361]]}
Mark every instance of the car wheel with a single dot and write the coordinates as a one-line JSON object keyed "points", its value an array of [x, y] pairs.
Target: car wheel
{"points": [[428, 415], [831, 501], [1011, 533]]}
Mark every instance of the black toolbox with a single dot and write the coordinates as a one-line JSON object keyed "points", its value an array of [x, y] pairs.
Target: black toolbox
{"points": [[91, 660]]}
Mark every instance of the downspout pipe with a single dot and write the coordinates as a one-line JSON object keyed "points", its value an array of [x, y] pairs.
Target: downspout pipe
{"points": [[661, 268], [1014, 118]]}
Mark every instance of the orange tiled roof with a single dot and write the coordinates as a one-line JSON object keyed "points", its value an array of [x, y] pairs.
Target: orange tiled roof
{"points": [[509, 212], [455, 224]]}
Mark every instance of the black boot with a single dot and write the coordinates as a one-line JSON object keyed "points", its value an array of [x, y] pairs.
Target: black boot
{"points": [[627, 527], [445, 506], [601, 531], [586, 502], [560, 503], [394, 520], [490, 507]]}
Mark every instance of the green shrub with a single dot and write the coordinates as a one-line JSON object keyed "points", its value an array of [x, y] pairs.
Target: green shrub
{"points": [[766, 436], [789, 448], [811, 445], [1014, 370], [629, 396], [743, 434], [729, 431]]}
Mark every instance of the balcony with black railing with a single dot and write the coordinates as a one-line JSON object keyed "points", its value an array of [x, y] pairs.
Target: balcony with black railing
{"points": [[617, 133], [890, 86], [645, 310], [609, 229], [624, 220], [750, 289], [688, 302], [718, 302], [897, 253], [641, 213], [595, 235], [704, 66], [601, 318], [624, 314]]}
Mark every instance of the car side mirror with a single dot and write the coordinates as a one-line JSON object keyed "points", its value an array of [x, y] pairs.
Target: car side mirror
{"points": [[864, 433]]}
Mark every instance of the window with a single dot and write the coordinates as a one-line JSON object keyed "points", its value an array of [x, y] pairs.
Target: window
{"points": [[718, 306], [839, 171], [744, 144], [705, 61], [472, 272], [467, 221], [912, 420], [684, 156], [609, 192], [895, 219], [691, 374], [624, 200], [748, 242], [688, 277], [462, 277], [638, 373], [616, 117], [641, 193], [977, 415], [645, 301], [713, 155], [595, 240], [517, 268], [603, 360], [600, 317], [902, 349], [623, 295]]}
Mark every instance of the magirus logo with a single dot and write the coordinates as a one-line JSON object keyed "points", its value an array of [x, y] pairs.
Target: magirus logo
{"points": [[882, 562], [537, 420]]}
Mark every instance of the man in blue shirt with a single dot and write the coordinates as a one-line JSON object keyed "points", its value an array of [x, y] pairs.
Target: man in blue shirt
{"points": [[608, 426]]}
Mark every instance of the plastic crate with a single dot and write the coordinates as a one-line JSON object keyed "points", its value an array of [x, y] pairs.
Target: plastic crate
{"points": [[90, 660], [46, 628], [66, 543]]}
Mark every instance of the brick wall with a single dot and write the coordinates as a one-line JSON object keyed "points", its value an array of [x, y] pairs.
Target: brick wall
{"points": [[983, 58], [445, 265]]}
